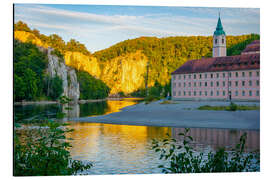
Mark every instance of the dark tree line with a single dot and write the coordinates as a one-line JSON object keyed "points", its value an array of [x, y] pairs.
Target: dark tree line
{"points": [[30, 80]]}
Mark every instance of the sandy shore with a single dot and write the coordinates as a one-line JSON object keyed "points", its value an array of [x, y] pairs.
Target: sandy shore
{"points": [[183, 114]]}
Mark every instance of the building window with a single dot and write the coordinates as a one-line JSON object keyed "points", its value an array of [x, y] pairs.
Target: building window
{"points": [[179, 77], [257, 93], [189, 84], [173, 77], [223, 93], [189, 93], [258, 73], [223, 74], [223, 83], [200, 93], [243, 83], [236, 83], [173, 93], [174, 84], [222, 41], [217, 75], [216, 41], [211, 93], [211, 84], [184, 93], [258, 82], [250, 93], [230, 83], [205, 84], [236, 93], [200, 84], [179, 84], [194, 76], [184, 84], [189, 76], [217, 93], [200, 76], [250, 74], [205, 93], [217, 84], [230, 74], [243, 74], [179, 93], [236, 74], [184, 76], [205, 75], [211, 75], [194, 93], [250, 83], [243, 93], [194, 84]]}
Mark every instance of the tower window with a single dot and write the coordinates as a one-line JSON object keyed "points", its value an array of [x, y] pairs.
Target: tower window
{"points": [[216, 41], [222, 41]]}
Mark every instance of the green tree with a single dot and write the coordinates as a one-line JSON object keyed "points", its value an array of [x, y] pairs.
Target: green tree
{"points": [[90, 87], [19, 88], [30, 79]]}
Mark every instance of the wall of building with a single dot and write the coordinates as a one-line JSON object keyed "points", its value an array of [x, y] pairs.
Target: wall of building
{"points": [[240, 85]]}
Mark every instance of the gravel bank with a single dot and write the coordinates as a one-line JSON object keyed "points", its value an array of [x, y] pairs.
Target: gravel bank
{"points": [[183, 114]]}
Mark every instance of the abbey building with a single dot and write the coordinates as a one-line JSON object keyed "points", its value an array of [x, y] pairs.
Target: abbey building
{"points": [[221, 77]]}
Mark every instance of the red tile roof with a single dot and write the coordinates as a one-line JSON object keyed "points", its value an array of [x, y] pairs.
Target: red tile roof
{"points": [[225, 63], [252, 47]]}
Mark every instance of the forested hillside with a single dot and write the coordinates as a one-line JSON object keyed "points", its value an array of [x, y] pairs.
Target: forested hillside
{"points": [[124, 66]]}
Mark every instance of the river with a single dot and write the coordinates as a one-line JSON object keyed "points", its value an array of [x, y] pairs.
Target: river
{"points": [[126, 149]]}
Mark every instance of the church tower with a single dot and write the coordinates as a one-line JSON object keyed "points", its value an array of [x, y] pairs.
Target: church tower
{"points": [[219, 41]]}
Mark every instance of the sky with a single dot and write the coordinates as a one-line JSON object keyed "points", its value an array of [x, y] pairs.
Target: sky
{"points": [[101, 26]]}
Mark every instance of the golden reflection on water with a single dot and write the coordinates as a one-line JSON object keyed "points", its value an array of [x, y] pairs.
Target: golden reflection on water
{"points": [[116, 106], [93, 137]]}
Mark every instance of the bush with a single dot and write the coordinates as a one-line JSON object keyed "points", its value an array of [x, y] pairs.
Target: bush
{"points": [[232, 107], [183, 159], [44, 151]]}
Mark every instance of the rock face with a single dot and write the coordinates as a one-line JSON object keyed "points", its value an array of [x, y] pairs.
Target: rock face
{"points": [[67, 74]]}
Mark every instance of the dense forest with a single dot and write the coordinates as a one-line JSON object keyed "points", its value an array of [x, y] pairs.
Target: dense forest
{"points": [[137, 59], [30, 79], [90, 87]]}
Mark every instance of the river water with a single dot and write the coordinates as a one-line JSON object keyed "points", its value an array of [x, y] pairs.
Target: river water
{"points": [[125, 149]]}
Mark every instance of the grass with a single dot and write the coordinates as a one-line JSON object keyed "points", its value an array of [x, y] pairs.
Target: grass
{"points": [[232, 107], [168, 102]]}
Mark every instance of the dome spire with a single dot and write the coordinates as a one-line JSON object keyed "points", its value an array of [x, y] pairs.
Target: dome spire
{"points": [[219, 29]]}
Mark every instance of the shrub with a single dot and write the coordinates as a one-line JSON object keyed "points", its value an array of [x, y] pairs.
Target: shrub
{"points": [[183, 159]]}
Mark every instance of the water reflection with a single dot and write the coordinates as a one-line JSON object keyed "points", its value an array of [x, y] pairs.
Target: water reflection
{"points": [[217, 138], [117, 149], [74, 110]]}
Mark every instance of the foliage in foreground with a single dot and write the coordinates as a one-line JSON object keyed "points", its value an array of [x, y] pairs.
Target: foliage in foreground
{"points": [[183, 159], [232, 107], [45, 151]]}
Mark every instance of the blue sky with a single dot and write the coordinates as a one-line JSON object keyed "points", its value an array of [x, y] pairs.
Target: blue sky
{"points": [[100, 26]]}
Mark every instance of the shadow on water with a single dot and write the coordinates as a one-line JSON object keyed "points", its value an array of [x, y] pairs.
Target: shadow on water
{"points": [[27, 112]]}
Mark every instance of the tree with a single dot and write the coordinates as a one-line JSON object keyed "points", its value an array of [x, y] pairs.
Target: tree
{"points": [[19, 88], [30, 79]]}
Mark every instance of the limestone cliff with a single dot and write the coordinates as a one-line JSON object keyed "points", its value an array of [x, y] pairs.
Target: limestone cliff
{"points": [[67, 74], [125, 73]]}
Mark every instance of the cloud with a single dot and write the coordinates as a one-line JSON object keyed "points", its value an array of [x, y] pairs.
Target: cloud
{"points": [[89, 26]]}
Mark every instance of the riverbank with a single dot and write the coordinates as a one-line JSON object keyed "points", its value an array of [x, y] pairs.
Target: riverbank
{"points": [[80, 101], [182, 114]]}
